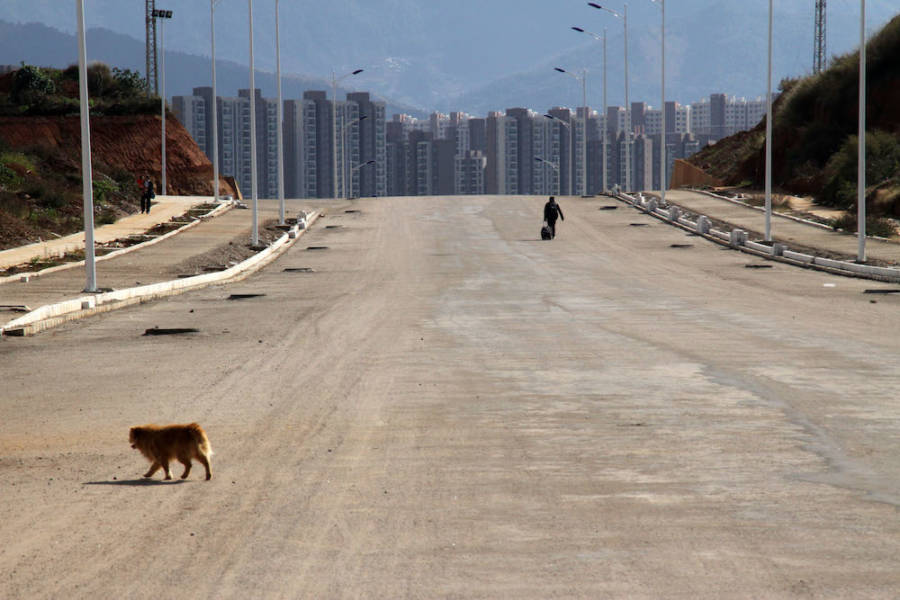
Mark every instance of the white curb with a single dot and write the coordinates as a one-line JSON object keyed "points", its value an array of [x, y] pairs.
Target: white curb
{"points": [[52, 315]]}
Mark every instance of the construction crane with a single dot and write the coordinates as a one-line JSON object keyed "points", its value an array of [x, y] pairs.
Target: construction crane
{"points": [[152, 80], [819, 48]]}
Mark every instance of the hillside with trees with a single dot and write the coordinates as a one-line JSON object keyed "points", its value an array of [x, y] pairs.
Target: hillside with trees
{"points": [[40, 151], [815, 140]]}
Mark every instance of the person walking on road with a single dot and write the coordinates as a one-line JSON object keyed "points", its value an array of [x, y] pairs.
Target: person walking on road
{"points": [[552, 211], [147, 194]]}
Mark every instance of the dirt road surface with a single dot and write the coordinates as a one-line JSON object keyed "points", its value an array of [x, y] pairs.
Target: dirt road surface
{"points": [[447, 407]]}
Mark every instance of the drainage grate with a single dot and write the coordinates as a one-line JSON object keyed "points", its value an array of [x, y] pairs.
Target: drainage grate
{"points": [[752, 266], [244, 296], [681, 245], [638, 224], [352, 212], [317, 247], [608, 208], [333, 226], [170, 331], [882, 291]]}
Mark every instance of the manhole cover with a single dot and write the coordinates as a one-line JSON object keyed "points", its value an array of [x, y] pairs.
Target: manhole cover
{"points": [[244, 296], [170, 330]]}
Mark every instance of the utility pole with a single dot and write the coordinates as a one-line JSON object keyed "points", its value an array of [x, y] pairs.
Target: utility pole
{"points": [[150, 20], [819, 47]]}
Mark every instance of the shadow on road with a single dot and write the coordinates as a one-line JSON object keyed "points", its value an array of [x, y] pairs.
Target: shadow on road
{"points": [[137, 482]]}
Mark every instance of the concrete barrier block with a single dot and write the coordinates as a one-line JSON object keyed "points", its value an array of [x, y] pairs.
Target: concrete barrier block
{"points": [[674, 214], [778, 249], [703, 225], [737, 238]]}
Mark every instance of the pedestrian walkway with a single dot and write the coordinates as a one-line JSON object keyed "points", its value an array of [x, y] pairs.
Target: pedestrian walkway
{"points": [[791, 232], [163, 210], [185, 253]]}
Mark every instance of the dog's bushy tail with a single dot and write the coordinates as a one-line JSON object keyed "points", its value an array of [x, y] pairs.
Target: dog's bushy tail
{"points": [[200, 437]]}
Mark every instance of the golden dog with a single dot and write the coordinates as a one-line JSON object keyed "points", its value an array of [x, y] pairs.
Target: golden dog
{"points": [[162, 444]]}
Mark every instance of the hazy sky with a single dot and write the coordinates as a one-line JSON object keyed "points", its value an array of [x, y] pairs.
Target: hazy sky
{"points": [[426, 51]]}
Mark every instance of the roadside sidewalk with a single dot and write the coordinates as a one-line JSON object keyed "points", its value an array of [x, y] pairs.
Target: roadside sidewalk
{"points": [[792, 232], [163, 210], [205, 250]]}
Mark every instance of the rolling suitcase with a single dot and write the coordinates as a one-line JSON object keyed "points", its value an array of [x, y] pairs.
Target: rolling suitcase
{"points": [[546, 234]]}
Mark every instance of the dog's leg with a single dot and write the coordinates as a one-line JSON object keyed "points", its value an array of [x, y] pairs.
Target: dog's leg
{"points": [[165, 466], [205, 462], [153, 469], [187, 466]]}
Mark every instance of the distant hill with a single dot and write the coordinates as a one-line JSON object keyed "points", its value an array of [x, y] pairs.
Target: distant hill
{"points": [[477, 55], [43, 46], [815, 126]]}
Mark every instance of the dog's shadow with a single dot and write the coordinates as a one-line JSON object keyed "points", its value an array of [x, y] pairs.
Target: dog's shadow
{"points": [[144, 482]]}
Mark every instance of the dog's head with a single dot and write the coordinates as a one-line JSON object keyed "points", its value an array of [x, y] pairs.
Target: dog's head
{"points": [[134, 436]]}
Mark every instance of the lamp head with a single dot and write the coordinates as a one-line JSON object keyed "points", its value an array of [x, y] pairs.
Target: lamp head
{"points": [[578, 29], [558, 69], [357, 72]]}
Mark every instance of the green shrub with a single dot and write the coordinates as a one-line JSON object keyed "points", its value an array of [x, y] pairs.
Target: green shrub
{"points": [[875, 226], [30, 83]]}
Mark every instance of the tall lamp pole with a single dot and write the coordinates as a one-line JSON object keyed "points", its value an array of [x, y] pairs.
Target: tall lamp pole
{"points": [[90, 265], [663, 171], [162, 15], [861, 167], [769, 136], [279, 133], [602, 38], [569, 129], [555, 168], [254, 187], [628, 124], [215, 102], [343, 160], [583, 79], [334, 133]]}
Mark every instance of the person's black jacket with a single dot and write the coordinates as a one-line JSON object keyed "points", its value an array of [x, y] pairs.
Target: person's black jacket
{"points": [[552, 211]]}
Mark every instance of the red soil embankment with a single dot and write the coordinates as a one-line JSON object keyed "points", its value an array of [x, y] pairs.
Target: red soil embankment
{"points": [[130, 142]]}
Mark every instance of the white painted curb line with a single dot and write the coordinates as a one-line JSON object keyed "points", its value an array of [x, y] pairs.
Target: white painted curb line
{"points": [[737, 239], [24, 277], [52, 315]]}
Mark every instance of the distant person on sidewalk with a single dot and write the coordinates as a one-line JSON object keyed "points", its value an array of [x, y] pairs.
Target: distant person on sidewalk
{"points": [[552, 211], [148, 194]]}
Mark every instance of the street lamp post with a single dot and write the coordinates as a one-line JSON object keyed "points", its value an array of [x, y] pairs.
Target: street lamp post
{"points": [[769, 135], [162, 15], [628, 125], [662, 144], [602, 38], [583, 80], [334, 133], [90, 265], [343, 155], [572, 137], [555, 168], [279, 134], [861, 142], [254, 189], [215, 103]]}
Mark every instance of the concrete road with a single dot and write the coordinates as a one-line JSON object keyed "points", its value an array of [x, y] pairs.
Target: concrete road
{"points": [[448, 407]]}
